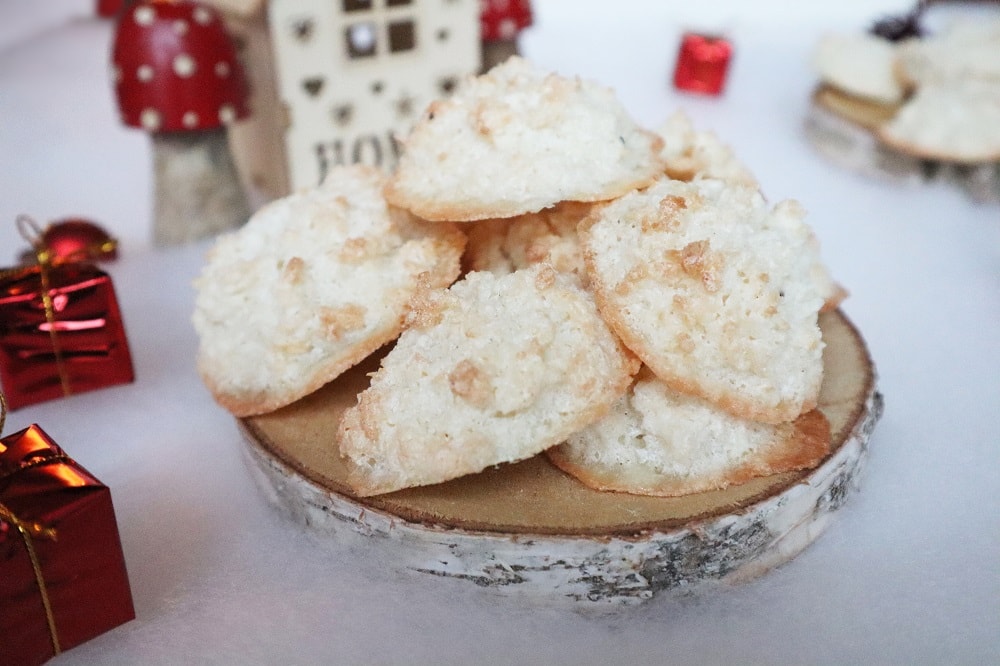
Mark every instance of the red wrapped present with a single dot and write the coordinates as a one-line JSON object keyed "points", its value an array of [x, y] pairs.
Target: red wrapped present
{"points": [[62, 573], [61, 332], [702, 63]]}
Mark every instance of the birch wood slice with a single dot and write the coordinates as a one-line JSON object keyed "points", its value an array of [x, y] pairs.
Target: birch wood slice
{"points": [[528, 529], [841, 128]]}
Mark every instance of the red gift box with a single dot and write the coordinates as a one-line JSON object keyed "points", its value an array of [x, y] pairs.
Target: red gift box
{"points": [[702, 63], [61, 332], [62, 573]]}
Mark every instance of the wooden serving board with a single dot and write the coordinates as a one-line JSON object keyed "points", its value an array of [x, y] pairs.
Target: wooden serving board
{"points": [[842, 128], [528, 529]]}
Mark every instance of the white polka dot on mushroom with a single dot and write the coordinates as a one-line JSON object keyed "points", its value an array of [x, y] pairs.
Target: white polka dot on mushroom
{"points": [[150, 119], [144, 73], [202, 16], [222, 69], [184, 65], [144, 15], [181, 26], [227, 114], [508, 29], [190, 119]]}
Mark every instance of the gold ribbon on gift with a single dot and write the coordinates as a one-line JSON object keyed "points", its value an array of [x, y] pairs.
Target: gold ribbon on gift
{"points": [[30, 531], [32, 233]]}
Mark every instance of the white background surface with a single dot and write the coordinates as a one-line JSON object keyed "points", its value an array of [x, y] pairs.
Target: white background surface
{"points": [[908, 573]]}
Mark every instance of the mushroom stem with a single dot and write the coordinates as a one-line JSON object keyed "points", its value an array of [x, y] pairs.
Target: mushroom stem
{"points": [[198, 192], [497, 51]]}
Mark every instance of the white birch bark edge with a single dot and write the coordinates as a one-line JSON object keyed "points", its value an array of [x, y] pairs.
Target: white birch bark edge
{"points": [[611, 570]]}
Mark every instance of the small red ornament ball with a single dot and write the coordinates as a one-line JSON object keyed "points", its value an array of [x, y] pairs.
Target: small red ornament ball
{"points": [[702, 63], [77, 239]]}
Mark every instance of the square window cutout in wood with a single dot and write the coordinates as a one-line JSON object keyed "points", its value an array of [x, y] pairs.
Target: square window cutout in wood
{"points": [[402, 36], [349, 75], [357, 5]]}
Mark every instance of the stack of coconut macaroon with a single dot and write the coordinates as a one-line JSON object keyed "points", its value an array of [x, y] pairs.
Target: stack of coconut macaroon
{"points": [[552, 278], [933, 97]]}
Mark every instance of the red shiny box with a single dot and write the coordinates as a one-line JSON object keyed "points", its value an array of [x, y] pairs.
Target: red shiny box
{"points": [[702, 63], [62, 573], [71, 342]]}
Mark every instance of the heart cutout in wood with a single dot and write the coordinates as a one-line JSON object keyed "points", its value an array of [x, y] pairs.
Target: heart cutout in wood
{"points": [[313, 85]]}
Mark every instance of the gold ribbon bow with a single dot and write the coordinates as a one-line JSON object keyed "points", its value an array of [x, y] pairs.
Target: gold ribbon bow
{"points": [[29, 532], [31, 232]]}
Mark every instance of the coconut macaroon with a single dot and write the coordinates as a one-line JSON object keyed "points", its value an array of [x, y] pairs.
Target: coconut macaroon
{"points": [[549, 236], [863, 65], [691, 154], [965, 50], [519, 139], [310, 286], [493, 370], [789, 218], [715, 292], [956, 121], [954, 113], [656, 441]]}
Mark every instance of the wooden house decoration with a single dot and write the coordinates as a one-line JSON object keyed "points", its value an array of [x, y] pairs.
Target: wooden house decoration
{"points": [[333, 81]]}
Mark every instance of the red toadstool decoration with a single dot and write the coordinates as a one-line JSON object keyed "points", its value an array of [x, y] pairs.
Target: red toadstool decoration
{"points": [[500, 22], [110, 8], [177, 76]]}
